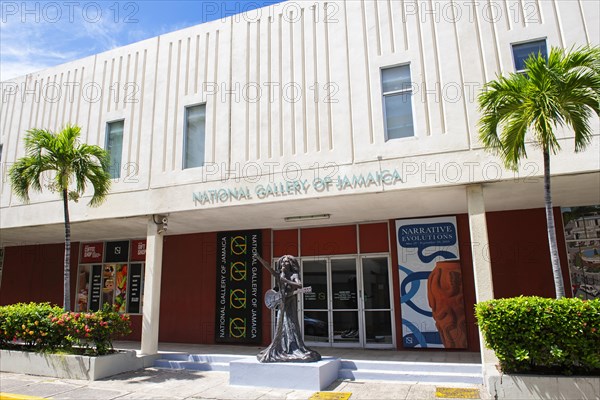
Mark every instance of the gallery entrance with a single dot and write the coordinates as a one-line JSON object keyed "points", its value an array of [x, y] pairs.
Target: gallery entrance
{"points": [[350, 304]]}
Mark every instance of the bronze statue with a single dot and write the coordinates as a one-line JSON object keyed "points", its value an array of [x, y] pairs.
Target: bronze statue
{"points": [[287, 344]]}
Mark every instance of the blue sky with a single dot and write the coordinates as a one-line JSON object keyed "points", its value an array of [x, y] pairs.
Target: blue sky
{"points": [[38, 34]]}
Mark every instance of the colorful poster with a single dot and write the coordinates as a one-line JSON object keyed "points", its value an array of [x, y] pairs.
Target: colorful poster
{"points": [[431, 295], [239, 294], [582, 236], [121, 288]]}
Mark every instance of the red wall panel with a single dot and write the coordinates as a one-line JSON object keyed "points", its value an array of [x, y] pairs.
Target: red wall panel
{"points": [[373, 238], [285, 242], [35, 273], [188, 288], [520, 255], [328, 240]]}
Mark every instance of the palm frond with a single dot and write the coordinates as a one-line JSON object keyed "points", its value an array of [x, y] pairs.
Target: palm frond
{"points": [[73, 163]]}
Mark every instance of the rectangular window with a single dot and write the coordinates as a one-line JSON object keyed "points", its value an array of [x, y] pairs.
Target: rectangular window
{"points": [[114, 146], [194, 136], [397, 94], [522, 51]]}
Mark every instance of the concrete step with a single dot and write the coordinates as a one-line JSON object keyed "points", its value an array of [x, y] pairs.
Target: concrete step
{"points": [[396, 366], [412, 376], [196, 362], [400, 371]]}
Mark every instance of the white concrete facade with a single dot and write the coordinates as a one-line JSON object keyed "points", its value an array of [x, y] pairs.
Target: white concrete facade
{"points": [[293, 93]]}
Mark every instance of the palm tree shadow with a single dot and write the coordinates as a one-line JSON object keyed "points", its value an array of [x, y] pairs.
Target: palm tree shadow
{"points": [[152, 375]]}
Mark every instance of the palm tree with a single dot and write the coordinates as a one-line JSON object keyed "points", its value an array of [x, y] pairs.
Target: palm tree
{"points": [[74, 164], [563, 90]]}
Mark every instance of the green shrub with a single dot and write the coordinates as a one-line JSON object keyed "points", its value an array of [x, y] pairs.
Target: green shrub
{"points": [[542, 335], [43, 327]]}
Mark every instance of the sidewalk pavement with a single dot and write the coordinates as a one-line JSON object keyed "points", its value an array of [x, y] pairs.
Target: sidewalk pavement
{"points": [[153, 383]]}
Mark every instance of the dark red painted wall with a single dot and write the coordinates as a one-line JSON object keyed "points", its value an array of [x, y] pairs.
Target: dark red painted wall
{"points": [[35, 273], [373, 238], [520, 254], [285, 242], [328, 240], [187, 306]]}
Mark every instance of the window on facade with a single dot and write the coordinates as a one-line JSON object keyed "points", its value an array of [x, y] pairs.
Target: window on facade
{"points": [[397, 93], [194, 136], [114, 146], [111, 273], [522, 51]]}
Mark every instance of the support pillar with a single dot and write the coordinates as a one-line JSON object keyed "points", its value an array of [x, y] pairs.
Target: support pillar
{"points": [[482, 268], [151, 308]]}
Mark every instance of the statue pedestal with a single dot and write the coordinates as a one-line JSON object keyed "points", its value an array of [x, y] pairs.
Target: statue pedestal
{"points": [[301, 376]]}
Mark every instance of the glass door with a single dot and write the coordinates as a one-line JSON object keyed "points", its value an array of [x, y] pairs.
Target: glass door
{"points": [[350, 303], [316, 303], [344, 310], [376, 304]]}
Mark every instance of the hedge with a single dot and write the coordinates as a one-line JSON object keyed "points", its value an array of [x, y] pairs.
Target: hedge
{"points": [[534, 334], [44, 327]]}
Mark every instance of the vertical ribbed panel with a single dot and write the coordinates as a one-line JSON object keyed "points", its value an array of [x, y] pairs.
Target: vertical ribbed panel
{"points": [[299, 83]]}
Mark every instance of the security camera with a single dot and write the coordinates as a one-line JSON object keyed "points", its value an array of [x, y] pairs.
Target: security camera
{"points": [[165, 220]]}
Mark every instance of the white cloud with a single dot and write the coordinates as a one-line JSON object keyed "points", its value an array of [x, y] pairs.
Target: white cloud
{"points": [[29, 46]]}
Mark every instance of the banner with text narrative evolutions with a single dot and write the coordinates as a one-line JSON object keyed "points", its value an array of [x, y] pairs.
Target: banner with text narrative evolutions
{"points": [[431, 293]]}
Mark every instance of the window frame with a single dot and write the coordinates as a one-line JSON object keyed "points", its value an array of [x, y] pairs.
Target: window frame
{"points": [[398, 92], [106, 140], [529, 41], [185, 136]]}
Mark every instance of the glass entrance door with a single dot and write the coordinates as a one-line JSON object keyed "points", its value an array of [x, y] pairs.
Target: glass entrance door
{"points": [[349, 305], [344, 310], [377, 310]]}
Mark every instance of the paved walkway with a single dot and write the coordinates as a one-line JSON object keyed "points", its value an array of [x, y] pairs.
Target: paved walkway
{"points": [[154, 383]]}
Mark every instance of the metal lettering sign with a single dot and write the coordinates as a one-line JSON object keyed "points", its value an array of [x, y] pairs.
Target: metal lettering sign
{"points": [[238, 287]]}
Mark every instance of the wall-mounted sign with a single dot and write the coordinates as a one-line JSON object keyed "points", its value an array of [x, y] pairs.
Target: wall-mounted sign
{"points": [[92, 252], [239, 291], [290, 188], [96, 288], [431, 294], [117, 251], [135, 289], [138, 250]]}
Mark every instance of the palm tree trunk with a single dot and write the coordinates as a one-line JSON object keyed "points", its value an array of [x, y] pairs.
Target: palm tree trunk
{"points": [[67, 266], [559, 286]]}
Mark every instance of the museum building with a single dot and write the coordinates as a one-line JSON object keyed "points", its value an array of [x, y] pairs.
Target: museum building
{"points": [[343, 133]]}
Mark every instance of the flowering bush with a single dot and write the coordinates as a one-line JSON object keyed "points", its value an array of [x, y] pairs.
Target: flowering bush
{"points": [[43, 327]]}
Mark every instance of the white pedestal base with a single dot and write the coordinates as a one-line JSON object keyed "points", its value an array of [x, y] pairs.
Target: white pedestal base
{"points": [[301, 376]]}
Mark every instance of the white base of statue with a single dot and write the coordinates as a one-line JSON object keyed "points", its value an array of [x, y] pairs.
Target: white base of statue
{"points": [[285, 375]]}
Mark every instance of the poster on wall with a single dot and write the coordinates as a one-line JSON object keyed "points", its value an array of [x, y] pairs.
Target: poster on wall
{"points": [[582, 236], [431, 293], [239, 294]]}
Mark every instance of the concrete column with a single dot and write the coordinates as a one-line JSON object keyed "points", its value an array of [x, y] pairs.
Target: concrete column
{"points": [[151, 310], [482, 268]]}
